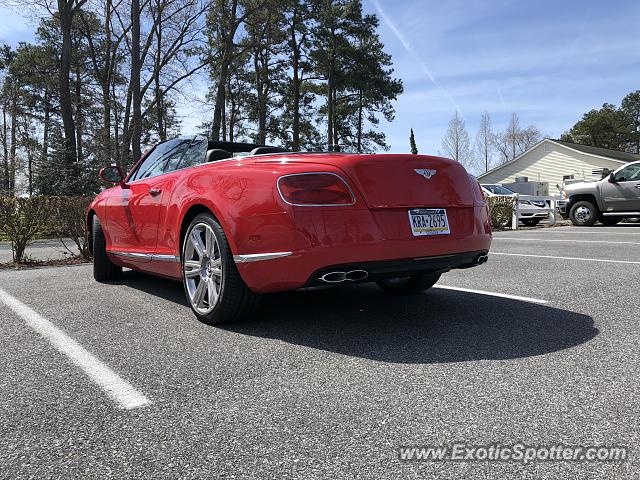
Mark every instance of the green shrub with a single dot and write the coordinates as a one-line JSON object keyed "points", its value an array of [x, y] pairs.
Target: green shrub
{"points": [[501, 211], [69, 216], [22, 220]]}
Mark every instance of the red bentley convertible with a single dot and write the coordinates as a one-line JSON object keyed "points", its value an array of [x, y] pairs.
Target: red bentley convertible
{"points": [[233, 221]]}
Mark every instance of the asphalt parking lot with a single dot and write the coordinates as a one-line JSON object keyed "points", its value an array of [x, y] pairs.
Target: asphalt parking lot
{"points": [[329, 384]]}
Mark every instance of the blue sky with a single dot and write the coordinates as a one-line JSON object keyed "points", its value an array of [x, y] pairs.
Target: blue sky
{"points": [[549, 61]]}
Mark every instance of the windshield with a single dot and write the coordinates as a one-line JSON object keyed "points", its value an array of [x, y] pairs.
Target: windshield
{"points": [[498, 189]]}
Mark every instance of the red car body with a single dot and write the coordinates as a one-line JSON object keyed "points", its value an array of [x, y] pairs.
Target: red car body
{"points": [[281, 246]]}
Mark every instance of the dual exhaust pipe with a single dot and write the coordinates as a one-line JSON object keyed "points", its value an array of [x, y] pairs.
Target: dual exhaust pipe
{"points": [[481, 259], [339, 277]]}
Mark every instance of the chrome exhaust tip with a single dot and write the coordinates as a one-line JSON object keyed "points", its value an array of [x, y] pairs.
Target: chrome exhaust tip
{"points": [[357, 275], [339, 277], [481, 259], [333, 277]]}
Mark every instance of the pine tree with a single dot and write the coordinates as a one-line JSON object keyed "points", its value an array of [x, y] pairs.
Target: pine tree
{"points": [[358, 82], [412, 143]]}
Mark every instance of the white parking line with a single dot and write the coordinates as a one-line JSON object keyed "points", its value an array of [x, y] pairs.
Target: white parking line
{"points": [[564, 240], [565, 258], [571, 231], [491, 294], [118, 389]]}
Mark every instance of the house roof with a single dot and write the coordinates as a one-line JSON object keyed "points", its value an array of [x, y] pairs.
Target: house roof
{"points": [[614, 155], [602, 152]]}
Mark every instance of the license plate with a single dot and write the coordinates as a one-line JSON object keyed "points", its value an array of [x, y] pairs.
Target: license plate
{"points": [[428, 221]]}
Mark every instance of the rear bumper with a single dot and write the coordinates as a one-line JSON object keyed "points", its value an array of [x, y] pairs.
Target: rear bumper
{"points": [[397, 268], [381, 259]]}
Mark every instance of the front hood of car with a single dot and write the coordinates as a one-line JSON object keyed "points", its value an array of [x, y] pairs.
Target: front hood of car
{"points": [[580, 186]]}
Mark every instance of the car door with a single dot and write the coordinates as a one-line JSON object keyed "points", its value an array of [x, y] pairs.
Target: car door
{"points": [[133, 215], [168, 236], [623, 193], [165, 261]]}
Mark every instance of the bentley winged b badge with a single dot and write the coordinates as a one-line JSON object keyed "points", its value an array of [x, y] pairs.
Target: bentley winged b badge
{"points": [[425, 172]]}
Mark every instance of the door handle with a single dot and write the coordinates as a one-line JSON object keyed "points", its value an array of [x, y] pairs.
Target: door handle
{"points": [[154, 192], [638, 186]]}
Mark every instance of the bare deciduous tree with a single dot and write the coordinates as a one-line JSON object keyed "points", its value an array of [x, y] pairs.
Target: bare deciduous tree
{"points": [[485, 141], [456, 143], [515, 140]]}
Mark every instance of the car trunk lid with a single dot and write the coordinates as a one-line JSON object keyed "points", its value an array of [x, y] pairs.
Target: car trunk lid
{"points": [[399, 180]]}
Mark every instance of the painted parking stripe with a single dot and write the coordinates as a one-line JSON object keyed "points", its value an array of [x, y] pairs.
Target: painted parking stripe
{"points": [[491, 294], [564, 240], [118, 389], [568, 231], [602, 260]]}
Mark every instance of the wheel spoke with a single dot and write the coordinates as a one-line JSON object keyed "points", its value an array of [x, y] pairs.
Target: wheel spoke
{"points": [[210, 242], [216, 269], [196, 241], [213, 293], [191, 268], [199, 294]]}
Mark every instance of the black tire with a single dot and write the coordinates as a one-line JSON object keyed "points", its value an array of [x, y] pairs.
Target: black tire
{"points": [[531, 222], [584, 214], [103, 269], [235, 301], [610, 221], [412, 284]]}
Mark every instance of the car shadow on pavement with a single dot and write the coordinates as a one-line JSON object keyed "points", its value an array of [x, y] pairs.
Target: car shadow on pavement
{"points": [[160, 287], [432, 327]]}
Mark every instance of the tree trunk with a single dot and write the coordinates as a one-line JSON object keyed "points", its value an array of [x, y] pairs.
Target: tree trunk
{"points": [[5, 149], [46, 125], [336, 138], [260, 80], [106, 85], [14, 141], [79, 116], [136, 132], [232, 112], [66, 12], [360, 107], [224, 71], [156, 73], [126, 128], [116, 129], [330, 106], [331, 127], [30, 170], [296, 103]]}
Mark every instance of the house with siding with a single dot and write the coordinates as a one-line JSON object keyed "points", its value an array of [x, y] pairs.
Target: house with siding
{"points": [[555, 161]]}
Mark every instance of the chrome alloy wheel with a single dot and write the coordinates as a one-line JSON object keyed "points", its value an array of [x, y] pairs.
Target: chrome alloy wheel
{"points": [[583, 214], [202, 268]]}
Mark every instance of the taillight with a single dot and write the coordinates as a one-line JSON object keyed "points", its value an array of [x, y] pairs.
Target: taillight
{"points": [[315, 189]]}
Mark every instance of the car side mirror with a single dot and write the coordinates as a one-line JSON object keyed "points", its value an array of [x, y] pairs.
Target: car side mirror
{"points": [[112, 174], [612, 178]]}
